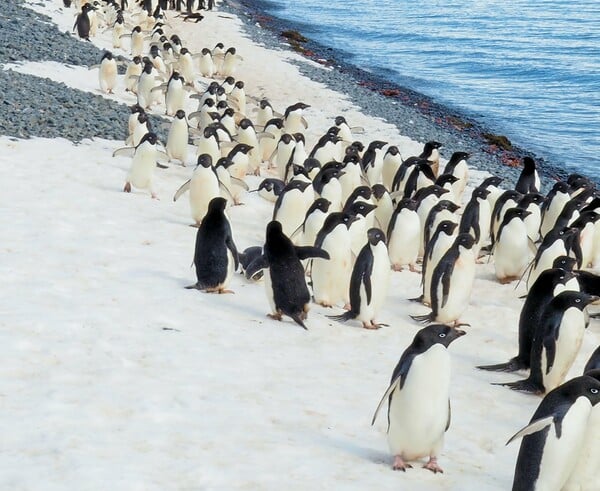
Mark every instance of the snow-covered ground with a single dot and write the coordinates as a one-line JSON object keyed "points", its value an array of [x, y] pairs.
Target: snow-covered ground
{"points": [[116, 377]]}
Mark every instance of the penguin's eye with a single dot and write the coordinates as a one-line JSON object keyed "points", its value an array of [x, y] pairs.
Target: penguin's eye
{"points": [[577, 300], [562, 277], [442, 335], [594, 391]]}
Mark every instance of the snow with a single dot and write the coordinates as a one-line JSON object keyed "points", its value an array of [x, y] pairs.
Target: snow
{"points": [[116, 377]]}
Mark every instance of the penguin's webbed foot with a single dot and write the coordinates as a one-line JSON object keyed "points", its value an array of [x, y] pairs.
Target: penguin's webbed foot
{"points": [[127, 188], [433, 466], [400, 465], [153, 195], [276, 316], [396, 267], [413, 269]]}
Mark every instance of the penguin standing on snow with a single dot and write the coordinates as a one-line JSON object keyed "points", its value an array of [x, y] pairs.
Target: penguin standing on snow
{"points": [[82, 22], [284, 283], [418, 398], [512, 248], [369, 281], [529, 180], [553, 438], [215, 255], [556, 342]]}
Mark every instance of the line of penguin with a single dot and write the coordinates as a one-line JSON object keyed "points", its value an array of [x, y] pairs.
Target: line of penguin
{"points": [[347, 214]]}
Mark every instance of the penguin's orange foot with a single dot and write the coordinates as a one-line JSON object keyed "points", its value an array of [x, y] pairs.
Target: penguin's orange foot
{"points": [[154, 196], [325, 304], [225, 291], [396, 267], [400, 465], [347, 306], [276, 316], [433, 466], [127, 188], [373, 325], [413, 268]]}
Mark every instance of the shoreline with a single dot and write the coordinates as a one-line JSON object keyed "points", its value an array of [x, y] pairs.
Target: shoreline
{"points": [[380, 97]]}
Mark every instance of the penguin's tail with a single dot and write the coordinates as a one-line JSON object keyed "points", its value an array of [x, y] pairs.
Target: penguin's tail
{"points": [[510, 366], [423, 319], [526, 385], [298, 320], [346, 316]]}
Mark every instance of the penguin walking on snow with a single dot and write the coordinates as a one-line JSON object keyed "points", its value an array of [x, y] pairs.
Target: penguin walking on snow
{"points": [[369, 281], [284, 283], [215, 255], [553, 438], [418, 398]]}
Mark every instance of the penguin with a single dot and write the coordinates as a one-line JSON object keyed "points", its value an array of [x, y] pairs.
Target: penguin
{"points": [[385, 206], [491, 184], [556, 342], [240, 159], [269, 138], [372, 162], [553, 438], [441, 240], [475, 219], [186, 66], [283, 155], [290, 207], [419, 398], [206, 65], [203, 187], [529, 180], [586, 224], [107, 75], [230, 62], [452, 282], [306, 234], [441, 211], [325, 150], [265, 113], [457, 166], [327, 185], [533, 203], [505, 201], [285, 285], [230, 184], [594, 362], [345, 131], [331, 279], [404, 237], [247, 135], [137, 41], [548, 285], [556, 200], [431, 153], [227, 118], [427, 198], [132, 73], [358, 229], [246, 257], [118, 29], [584, 476], [146, 82], [208, 142], [419, 177], [369, 281], [177, 140], [132, 121], [140, 126], [215, 254], [238, 97], [299, 155], [512, 247], [352, 177], [293, 118], [82, 22], [392, 160], [175, 97], [270, 189], [144, 161]]}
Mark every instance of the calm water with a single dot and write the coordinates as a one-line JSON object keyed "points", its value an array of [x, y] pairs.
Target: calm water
{"points": [[528, 69]]}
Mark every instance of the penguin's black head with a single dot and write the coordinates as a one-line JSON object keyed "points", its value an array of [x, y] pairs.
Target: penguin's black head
{"points": [[528, 164], [217, 205], [584, 386], [224, 162], [311, 163], [205, 160], [137, 29], [333, 131], [512, 213], [205, 51], [228, 110], [393, 150], [530, 198], [480, 193], [274, 229], [159, 31], [447, 226], [220, 91], [286, 138], [209, 102], [136, 108], [267, 185], [175, 39], [579, 300], [378, 190], [167, 46], [180, 114], [154, 50], [299, 170], [446, 179], [339, 120], [564, 262], [142, 118], [150, 138], [408, 203], [357, 146], [137, 60], [297, 184], [277, 122], [490, 181], [437, 334], [431, 145], [360, 192], [299, 137], [107, 56], [229, 81], [246, 123], [210, 132], [352, 156], [219, 46], [239, 84], [446, 204], [164, 39], [264, 103], [458, 156], [465, 240], [177, 76], [321, 204], [376, 144], [231, 51], [242, 148], [434, 189], [375, 236], [148, 66]]}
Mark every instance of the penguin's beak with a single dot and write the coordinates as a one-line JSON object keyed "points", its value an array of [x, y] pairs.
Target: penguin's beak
{"points": [[594, 300], [459, 332]]}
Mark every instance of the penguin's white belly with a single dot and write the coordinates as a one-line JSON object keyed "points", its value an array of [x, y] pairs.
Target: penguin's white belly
{"points": [[461, 284], [380, 278], [533, 222], [131, 73], [569, 341], [405, 239], [203, 188], [177, 141], [586, 240], [350, 180], [313, 224], [144, 90], [293, 124], [560, 455], [358, 233], [142, 168], [186, 67], [175, 99], [108, 76], [206, 66], [332, 192], [383, 212], [331, 279], [553, 212], [511, 254], [210, 147], [291, 212], [137, 44], [418, 413], [546, 260], [585, 474]]}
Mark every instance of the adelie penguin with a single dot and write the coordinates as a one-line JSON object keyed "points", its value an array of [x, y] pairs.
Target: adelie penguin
{"points": [[215, 254], [82, 22], [513, 247], [553, 439], [556, 342], [285, 285], [529, 180], [369, 282], [418, 398]]}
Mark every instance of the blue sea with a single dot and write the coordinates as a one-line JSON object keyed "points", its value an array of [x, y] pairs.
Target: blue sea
{"points": [[528, 69]]}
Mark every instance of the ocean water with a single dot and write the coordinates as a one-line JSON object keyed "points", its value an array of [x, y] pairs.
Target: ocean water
{"points": [[528, 69]]}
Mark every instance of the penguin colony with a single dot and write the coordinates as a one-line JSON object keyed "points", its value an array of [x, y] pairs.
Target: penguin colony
{"points": [[347, 214]]}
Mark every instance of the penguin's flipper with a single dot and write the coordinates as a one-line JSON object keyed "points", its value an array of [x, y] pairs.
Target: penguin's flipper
{"points": [[124, 152], [231, 246], [159, 88], [359, 130], [257, 265], [510, 366], [92, 67], [161, 166], [532, 246], [184, 187], [195, 114], [533, 427], [265, 134], [305, 252], [395, 383], [240, 182], [449, 416], [304, 122]]}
